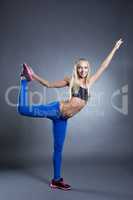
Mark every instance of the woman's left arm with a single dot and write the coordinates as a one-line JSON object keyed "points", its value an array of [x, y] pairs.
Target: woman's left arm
{"points": [[105, 63]]}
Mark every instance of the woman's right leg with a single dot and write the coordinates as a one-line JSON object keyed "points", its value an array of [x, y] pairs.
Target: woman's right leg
{"points": [[50, 110], [59, 133]]}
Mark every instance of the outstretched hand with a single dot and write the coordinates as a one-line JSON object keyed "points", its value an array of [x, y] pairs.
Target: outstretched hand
{"points": [[118, 44]]}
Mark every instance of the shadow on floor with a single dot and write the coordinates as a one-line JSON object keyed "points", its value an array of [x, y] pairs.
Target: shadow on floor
{"points": [[89, 191]]}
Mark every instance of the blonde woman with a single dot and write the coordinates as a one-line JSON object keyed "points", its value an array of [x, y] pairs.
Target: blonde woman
{"points": [[59, 112]]}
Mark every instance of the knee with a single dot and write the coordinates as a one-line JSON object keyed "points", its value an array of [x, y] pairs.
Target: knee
{"points": [[21, 110], [58, 148]]}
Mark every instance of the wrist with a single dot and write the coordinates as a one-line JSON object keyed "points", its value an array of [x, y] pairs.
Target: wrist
{"points": [[115, 48]]}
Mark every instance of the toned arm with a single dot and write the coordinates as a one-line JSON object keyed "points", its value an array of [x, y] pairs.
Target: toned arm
{"points": [[55, 84], [60, 83], [105, 63]]}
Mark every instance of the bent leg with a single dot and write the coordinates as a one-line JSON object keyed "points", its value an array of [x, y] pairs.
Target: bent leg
{"points": [[59, 133], [50, 110]]}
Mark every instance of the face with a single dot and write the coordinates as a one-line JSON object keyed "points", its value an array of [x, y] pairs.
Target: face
{"points": [[83, 69]]}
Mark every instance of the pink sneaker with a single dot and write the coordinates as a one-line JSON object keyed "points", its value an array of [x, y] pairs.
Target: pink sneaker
{"points": [[59, 184], [27, 72]]}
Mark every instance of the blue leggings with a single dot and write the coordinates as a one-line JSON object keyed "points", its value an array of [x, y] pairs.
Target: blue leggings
{"points": [[50, 111]]}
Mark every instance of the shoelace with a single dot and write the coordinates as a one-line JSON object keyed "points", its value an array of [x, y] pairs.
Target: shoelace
{"points": [[62, 181]]}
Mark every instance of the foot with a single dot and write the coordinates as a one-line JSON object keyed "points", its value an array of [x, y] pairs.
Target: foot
{"points": [[59, 184], [27, 72], [22, 77]]}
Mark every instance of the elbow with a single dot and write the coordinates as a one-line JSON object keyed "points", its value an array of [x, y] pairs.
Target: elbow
{"points": [[49, 85]]}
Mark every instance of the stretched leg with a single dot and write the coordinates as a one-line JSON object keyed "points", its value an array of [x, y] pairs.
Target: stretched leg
{"points": [[50, 110], [59, 132]]}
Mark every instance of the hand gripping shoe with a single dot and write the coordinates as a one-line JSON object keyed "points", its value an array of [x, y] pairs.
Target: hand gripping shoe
{"points": [[27, 72]]}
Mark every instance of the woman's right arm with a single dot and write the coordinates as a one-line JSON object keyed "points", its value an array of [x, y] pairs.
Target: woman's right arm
{"points": [[55, 84]]}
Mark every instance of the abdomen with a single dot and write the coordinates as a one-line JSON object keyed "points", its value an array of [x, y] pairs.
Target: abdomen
{"points": [[70, 108]]}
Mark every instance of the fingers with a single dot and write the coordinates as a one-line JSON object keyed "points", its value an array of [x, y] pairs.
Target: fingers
{"points": [[118, 43]]}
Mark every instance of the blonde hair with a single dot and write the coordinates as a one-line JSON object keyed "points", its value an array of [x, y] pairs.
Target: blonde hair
{"points": [[74, 78]]}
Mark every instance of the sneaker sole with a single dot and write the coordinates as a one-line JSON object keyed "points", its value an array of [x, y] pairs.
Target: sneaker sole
{"points": [[58, 187]]}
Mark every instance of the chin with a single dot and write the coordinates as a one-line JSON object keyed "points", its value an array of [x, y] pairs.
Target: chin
{"points": [[83, 76]]}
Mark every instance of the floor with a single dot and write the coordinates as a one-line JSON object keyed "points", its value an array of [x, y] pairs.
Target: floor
{"points": [[95, 181]]}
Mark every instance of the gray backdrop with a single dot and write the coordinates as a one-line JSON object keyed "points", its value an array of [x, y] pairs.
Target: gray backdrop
{"points": [[50, 36]]}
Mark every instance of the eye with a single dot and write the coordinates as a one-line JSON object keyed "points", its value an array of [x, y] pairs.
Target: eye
{"points": [[79, 67]]}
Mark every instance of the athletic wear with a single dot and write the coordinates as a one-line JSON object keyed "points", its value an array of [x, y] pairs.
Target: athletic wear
{"points": [[59, 184], [50, 111], [81, 93], [27, 72]]}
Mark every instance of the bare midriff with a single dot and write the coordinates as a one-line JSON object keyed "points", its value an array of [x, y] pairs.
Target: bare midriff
{"points": [[70, 107]]}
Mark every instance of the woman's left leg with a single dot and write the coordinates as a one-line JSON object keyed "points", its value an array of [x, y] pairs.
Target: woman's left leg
{"points": [[49, 110], [59, 133]]}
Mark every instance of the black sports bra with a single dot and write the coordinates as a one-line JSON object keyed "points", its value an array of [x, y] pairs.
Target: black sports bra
{"points": [[81, 93]]}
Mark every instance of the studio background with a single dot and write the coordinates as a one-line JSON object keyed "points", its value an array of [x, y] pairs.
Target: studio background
{"points": [[50, 36]]}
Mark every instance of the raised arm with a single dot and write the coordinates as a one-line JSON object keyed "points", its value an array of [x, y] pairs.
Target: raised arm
{"points": [[55, 84], [105, 63]]}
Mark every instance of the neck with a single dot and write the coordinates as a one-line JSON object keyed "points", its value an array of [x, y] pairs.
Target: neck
{"points": [[82, 80]]}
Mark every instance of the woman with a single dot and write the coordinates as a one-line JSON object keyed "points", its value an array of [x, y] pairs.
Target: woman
{"points": [[60, 111]]}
